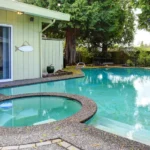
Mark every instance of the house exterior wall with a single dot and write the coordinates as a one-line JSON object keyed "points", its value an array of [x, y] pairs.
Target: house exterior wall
{"points": [[52, 53], [26, 65]]}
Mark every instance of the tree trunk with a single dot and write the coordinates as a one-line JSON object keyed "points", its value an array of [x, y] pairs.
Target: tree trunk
{"points": [[70, 47], [104, 48]]}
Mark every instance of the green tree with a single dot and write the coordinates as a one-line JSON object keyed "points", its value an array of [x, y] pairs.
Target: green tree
{"points": [[41, 3], [115, 24], [144, 17], [97, 23]]}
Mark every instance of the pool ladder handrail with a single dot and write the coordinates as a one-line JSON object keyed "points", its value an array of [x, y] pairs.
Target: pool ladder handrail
{"points": [[80, 63]]}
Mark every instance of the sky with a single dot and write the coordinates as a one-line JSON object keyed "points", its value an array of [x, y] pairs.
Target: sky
{"points": [[141, 35]]}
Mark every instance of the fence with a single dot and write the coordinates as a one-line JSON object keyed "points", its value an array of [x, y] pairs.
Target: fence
{"points": [[52, 53]]}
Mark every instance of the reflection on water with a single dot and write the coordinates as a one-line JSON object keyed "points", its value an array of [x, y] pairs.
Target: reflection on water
{"points": [[36, 110], [122, 97], [137, 127], [117, 78], [142, 86]]}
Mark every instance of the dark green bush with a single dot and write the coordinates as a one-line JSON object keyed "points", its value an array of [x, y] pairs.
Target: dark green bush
{"points": [[129, 62], [143, 59], [83, 55], [136, 57]]}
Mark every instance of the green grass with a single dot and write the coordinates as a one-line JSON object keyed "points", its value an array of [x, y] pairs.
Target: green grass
{"points": [[73, 69]]}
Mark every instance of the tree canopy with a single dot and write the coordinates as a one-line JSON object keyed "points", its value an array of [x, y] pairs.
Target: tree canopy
{"points": [[144, 17], [97, 23]]}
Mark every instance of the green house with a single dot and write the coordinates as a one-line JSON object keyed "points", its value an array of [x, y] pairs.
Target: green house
{"points": [[23, 53]]}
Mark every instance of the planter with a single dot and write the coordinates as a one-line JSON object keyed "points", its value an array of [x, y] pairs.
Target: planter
{"points": [[50, 69], [57, 74]]}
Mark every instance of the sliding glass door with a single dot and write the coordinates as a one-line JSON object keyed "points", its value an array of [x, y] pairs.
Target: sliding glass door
{"points": [[5, 53]]}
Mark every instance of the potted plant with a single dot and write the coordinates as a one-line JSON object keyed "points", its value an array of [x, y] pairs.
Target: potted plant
{"points": [[50, 69]]}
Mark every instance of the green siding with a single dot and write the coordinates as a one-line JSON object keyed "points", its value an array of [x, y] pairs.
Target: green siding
{"points": [[26, 65]]}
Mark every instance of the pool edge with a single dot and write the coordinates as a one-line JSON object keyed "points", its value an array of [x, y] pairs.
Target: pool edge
{"points": [[38, 80]]}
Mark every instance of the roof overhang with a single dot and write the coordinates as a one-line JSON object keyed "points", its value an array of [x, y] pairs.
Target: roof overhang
{"points": [[13, 5]]}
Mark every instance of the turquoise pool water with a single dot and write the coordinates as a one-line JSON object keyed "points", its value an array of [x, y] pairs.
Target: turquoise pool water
{"points": [[36, 110], [122, 96]]}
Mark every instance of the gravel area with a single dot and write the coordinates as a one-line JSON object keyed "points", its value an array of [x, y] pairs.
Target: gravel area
{"points": [[79, 136]]}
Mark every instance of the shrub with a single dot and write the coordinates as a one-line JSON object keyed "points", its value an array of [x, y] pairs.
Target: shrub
{"points": [[129, 62], [148, 60], [83, 55], [143, 59]]}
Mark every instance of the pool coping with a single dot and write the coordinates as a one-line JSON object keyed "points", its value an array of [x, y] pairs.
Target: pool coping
{"points": [[38, 80]]}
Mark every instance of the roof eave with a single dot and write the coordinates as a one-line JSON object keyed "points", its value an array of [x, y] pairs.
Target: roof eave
{"points": [[33, 10]]}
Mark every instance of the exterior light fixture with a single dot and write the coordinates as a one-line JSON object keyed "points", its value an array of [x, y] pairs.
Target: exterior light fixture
{"points": [[32, 19], [19, 12]]}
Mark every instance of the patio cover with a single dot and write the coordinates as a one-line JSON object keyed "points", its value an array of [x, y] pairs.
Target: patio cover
{"points": [[14, 5]]}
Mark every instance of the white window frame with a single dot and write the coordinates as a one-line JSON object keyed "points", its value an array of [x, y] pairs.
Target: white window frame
{"points": [[11, 57]]}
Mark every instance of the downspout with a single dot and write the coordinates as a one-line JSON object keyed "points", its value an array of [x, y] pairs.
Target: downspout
{"points": [[50, 24]]}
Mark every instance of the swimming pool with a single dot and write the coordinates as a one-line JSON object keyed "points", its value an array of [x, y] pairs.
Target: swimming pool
{"points": [[122, 96]]}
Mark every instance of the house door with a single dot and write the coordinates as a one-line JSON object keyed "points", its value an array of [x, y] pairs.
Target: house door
{"points": [[5, 53]]}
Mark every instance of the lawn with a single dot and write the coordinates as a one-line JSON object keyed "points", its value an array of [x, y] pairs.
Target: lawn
{"points": [[73, 69]]}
